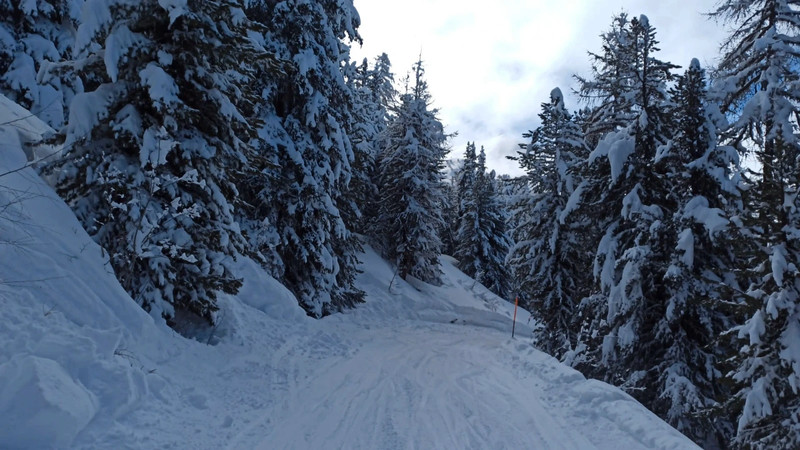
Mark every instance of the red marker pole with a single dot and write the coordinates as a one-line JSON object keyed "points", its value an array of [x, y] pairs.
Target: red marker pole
{"points": [[514, 324]]}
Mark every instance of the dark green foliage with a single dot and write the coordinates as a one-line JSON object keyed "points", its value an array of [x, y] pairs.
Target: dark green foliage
{"points": [[758, 87], [157, 145], [411, 185], [482, 242], [308, 119], [36, 41], [548, 259]]}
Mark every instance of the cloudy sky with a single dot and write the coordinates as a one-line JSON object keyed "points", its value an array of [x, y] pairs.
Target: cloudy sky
{"points": [[489, 68]]}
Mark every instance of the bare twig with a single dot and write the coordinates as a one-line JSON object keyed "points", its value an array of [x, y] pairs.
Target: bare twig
{"points": [[393, 277]]}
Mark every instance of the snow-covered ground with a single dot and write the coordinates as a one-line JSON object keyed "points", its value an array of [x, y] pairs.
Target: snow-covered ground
{"points": [[417, 366]]}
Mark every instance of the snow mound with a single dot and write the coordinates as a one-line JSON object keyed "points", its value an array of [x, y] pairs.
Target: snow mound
{"points": [[38, 394], [69, 331]]}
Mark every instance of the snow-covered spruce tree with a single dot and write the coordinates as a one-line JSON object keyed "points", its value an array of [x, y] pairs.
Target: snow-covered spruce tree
{"points": [[155, 146], [364, 134], [373, 94], [548, 258], [466, 238], [611, 86], [608, 95], [380, 83], [629, 201], [481, 241], [308, 118], [36, 38], [759, 83], [493, 237], [377, 84], [508, 189], [449, 229], [704, 183], [411, 184]]}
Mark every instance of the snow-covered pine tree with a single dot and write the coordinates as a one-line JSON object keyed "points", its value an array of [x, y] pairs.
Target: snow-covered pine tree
{"points": [[629, 202], [379, 83], [493, 238], [548, 258], [466, 239], [507, 190], [704, 182], [36, 38], [155, 145], [373, 95], [609, 90], [450, 219], [411, 184], [364, 132], [608, 97], [759, 84], [307, 116]]}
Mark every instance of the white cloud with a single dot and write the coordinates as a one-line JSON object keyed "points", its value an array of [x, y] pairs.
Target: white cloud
{"points": [[490, 65]]}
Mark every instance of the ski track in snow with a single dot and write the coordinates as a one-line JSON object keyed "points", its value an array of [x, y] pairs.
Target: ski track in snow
{"points": [[446, 386], [416, 387], [397, 374]]}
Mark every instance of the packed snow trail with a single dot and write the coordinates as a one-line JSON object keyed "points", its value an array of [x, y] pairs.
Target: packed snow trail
{"points": [[406, 377], [417, 387], [450, 386]]}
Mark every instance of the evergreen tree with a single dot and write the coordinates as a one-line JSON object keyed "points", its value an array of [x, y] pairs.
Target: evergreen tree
{"points": [[364, 133], [411, 184], [758, 83], [508, 189], [704, 184], [629, 201], [548, 255], [611, 87], [493, 241], [156, 145], [466, 241], [308, 118], [449, 230], [373, 95], [36, 38], [379, 82]]}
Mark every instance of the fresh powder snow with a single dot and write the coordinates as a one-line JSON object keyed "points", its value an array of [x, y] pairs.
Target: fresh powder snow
{"points": [[417, 366]]}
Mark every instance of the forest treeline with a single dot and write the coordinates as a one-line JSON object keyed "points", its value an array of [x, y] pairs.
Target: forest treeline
{"points": [[195, 133]]}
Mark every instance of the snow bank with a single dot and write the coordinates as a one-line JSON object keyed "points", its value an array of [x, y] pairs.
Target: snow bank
{"points": [[41, 404], [70, 335]]}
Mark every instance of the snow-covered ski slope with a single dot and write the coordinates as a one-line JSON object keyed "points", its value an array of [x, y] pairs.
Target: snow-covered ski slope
{"points": [[417, 366]]}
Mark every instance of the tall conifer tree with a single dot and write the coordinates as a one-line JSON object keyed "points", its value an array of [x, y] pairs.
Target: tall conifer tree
{"points": [[548, 257], [373, 96], [628, 198], [494, 240], [411, 184], [466, 238], [759, 85], [704, 184], [156, 145], [308, 121], [481, 242]]}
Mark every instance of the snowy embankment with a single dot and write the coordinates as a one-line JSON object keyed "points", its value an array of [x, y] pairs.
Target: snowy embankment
{"points": [[81, 366]]}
